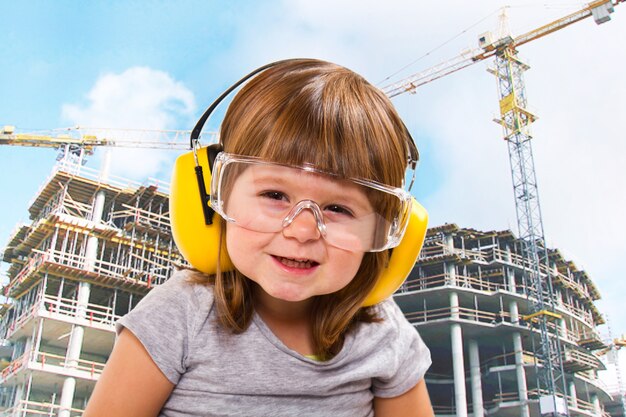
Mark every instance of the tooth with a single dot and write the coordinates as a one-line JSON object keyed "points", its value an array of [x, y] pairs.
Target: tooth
{"points": [[294, 263]]}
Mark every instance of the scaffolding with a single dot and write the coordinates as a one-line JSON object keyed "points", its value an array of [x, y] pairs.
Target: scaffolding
{"points": [[90, 253]]}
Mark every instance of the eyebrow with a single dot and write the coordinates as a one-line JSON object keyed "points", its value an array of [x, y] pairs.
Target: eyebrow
{"points": [[343, 191]]}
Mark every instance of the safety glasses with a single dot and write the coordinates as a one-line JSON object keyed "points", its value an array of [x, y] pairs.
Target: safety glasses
{"points": [[351, 214]]}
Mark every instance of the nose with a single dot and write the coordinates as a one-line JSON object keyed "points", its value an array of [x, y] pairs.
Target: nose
{"points": [[304, 222]]}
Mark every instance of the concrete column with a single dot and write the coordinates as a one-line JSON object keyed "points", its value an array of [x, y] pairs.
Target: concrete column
{"points": [[520, 373], [572, 394], [458, 365], [74, 347], [451, 274], [67, 396], [514, 311], [37, 346], [75, 344], [82, 299], [98, 206], [73, 350], [22, 391], [19, 392], [597, 410], [510, 277], [563, 328], [28, 346], [477, 389], [454, 306], [450, 269]]}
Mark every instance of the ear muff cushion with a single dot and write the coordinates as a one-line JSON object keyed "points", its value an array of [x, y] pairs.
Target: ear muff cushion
{"points": [[403, 256], [196, 241]]}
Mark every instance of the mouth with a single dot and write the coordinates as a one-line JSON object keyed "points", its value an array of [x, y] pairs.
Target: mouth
{"points": [[296, 263]]}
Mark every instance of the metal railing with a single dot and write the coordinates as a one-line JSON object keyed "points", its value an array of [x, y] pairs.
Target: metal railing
{"points": [[37, 409], [65, 307], [45, 361]]}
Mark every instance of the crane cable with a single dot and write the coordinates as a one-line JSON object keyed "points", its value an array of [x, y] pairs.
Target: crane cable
{"points": [[440, 46]]}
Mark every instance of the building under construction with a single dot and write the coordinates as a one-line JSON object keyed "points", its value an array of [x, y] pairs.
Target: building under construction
{"points": [[468, 298], [93, 249]]}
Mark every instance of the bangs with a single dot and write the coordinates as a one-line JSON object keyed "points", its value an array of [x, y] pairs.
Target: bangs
{"points": [[304, 136], [321, 115], [323, 125]]}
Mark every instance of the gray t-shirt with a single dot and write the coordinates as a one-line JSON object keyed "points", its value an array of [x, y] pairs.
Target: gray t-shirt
{"points": [[218, 373]]}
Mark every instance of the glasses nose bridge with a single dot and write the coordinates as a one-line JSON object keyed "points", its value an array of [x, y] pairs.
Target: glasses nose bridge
{"points": [[307, 205]]}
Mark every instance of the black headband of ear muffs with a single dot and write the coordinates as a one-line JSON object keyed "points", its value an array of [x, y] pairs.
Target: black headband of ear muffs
{"points": [[213, 150]]}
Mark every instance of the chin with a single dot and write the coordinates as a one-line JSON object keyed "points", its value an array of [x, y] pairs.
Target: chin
{"points": [[288, 294]]}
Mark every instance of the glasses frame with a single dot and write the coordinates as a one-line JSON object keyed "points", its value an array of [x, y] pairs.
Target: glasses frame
{"points": [[398, 225]]}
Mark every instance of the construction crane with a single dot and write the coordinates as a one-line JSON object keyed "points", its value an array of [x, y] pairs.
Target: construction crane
{"points": [[599, 9], [88, 139], [613, 345], [515, 119], [76, 143]]}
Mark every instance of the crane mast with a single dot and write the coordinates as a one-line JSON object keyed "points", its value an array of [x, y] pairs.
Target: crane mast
{"points": [[515, 121]]}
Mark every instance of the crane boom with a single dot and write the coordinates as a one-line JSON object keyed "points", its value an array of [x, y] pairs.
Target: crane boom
{"points": [[438, 71], [88, 143], [600, 9], [90, 138]]}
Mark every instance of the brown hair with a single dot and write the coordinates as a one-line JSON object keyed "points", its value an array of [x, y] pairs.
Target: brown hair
{"points": [[314, 112]]}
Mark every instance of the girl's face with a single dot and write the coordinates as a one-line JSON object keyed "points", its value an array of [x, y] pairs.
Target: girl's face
{"points": [[296, 262]]}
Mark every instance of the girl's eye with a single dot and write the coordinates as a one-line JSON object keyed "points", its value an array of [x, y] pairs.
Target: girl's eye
{"points": [[274, 195], [337, 209]]}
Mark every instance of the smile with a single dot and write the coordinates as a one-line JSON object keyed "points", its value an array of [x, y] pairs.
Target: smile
{"points": [[296, 263]]}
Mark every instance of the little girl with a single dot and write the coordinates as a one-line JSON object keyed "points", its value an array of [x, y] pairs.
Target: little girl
{"points": [[307, 185]]}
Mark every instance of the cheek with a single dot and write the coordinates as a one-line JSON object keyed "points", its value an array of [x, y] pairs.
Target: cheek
{"points": [[349, 265], [237, 244], [236, 238], [243, 246]]}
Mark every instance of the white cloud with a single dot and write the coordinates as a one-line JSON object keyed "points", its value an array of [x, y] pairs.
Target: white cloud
{"points": [[138, 98]]}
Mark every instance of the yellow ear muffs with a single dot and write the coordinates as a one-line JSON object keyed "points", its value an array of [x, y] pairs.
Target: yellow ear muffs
{"points": [[403, 256], [198, 242]]}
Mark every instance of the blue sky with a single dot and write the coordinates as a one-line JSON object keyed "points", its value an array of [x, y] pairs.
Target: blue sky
{"points": [[158, 64]]}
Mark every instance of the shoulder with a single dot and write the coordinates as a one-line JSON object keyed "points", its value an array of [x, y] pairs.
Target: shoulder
{"points": [[181, 298], [389, 311], [183, 286], [396, 345], [392, 334], [168, 320], [392, 322]]}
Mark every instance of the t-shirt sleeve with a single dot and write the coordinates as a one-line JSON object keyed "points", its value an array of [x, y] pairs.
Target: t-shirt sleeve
{"points": [[408, 357], [165, 320]]}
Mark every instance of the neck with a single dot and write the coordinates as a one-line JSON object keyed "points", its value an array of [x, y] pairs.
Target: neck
{"points": [[289, 321], [287, 311]]}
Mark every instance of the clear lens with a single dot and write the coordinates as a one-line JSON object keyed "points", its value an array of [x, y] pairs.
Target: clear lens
{"points": [[354, 215]]}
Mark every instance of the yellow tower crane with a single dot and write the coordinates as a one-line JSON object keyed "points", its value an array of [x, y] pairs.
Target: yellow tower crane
{"points": [[87, 138], [515, 120], [76, 143]]}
